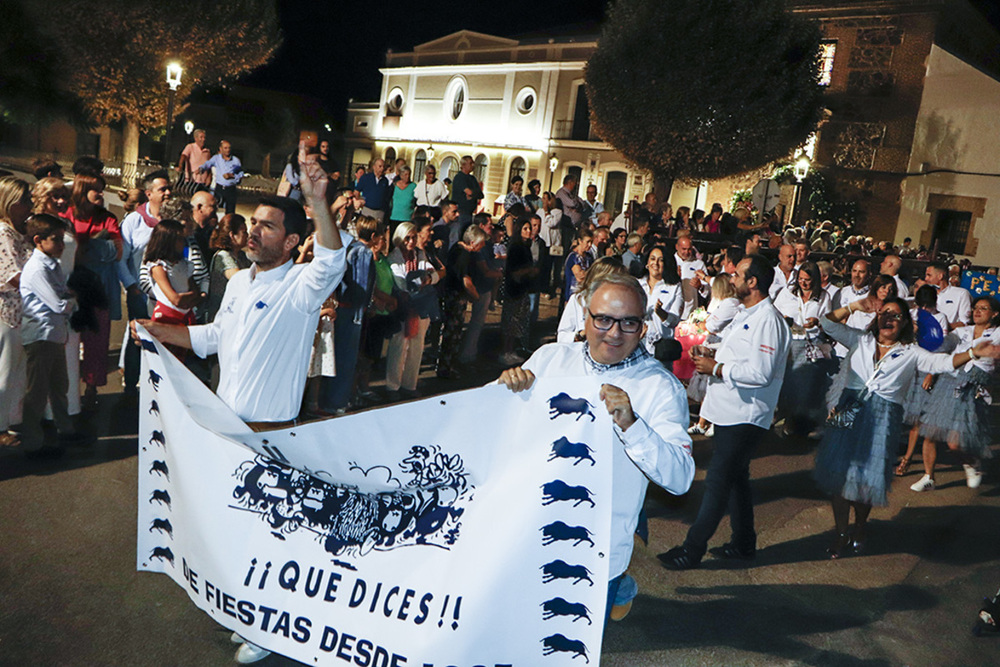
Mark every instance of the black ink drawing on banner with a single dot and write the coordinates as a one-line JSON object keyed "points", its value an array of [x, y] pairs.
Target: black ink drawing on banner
{"points": [[160, 496], [160, 468], [148, 345], [560, 569], [564, 449], [564, 404], [560, 607], [154, 379], [557, 531], [157, 438], [425, 509], [162, 525], [561, 644], [154, 408], [558, 490], [163, 553]]}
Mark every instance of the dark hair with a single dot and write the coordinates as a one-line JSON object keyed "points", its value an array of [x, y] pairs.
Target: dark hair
{"points": [[163, 242], [517, 210], [671, 276], [994, 304], [881, 280], [43, 167], [817, 287], [230, 223], [88, 165], [533, 182], [907, 333], [147, 182], [736, 253], [445, 203], [926, 296], [482, 219], [761, 269], [516, 179], [43, 225], [82, 184], [421, 221], [294, 215], [940, 267], [519, 223]]}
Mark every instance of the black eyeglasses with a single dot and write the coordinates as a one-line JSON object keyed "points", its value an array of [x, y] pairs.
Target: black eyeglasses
{"points": [[892, 316], [627, 325]]}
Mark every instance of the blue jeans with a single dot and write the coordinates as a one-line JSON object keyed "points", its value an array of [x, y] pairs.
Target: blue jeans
{"points": [[727, 487], [335, 393]]}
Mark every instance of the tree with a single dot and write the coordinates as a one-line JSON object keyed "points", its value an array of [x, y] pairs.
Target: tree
{"points": [[115, 52], [702, 89]]}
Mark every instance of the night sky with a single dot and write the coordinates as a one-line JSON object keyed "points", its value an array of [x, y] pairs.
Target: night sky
{"points": [[333, 48]]}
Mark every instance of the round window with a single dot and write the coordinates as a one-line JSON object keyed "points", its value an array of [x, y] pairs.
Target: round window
{"points": [[455, 97], [525, 101], [395, 101]]}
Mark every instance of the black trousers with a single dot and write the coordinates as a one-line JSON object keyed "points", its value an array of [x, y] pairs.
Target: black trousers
{"points": [[727, 487], [226, 198]]}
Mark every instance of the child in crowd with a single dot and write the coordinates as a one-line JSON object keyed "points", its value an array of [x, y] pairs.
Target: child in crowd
{"points": [[48, 303], [170, 275]]}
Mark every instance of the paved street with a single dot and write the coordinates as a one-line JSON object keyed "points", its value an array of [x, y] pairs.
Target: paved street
{"points": [[72, 596]]}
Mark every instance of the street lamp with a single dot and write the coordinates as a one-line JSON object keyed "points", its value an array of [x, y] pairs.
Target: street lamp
{"points": [[188, 127], [174, 72], [430, 153], [553, 165], [800, 170]]}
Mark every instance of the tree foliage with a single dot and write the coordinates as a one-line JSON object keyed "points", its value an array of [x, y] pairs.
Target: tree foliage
{"points": [[703, 89], [115, 52]]}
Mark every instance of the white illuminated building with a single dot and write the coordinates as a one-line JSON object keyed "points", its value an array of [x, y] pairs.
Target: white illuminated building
{"points": [[510, 104]]}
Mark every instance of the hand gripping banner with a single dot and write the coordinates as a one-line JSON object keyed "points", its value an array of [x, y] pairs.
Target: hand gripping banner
{"points": [[461, 530]]}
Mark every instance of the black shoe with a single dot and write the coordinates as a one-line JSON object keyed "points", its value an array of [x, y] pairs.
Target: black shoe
{"points": [[679, 558], [730, 551], [44, 453], [75, 439]]}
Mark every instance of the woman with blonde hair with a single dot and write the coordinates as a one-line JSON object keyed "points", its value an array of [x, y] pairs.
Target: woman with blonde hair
{"points": [[15, 248]]}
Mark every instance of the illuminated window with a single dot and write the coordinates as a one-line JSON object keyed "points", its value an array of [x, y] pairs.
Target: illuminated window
{"points": [[482, 163], [448, 167], [516, 168], [390, 156], [419, 162], [827, 50], [394, 104], [454, 98], [525, 101]]}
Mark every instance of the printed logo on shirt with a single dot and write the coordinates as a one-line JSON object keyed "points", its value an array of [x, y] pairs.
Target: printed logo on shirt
{"points": [[766, 349], [260, 305]]}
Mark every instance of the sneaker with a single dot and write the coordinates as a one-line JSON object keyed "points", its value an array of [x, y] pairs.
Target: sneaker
{"points": [[973, 476], [620, 611], [711, 431], [730, 551], [925, 483], [249, 653], [696, 430], [679, 558]]}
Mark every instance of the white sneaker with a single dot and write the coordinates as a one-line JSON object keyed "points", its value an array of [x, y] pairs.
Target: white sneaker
{"points": [[696, 430], [249, 653], [925, 483], [711, 431], [973, 476]]}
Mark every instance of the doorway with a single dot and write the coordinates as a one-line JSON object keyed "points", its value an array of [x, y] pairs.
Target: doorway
{"points": [[615, 183]]}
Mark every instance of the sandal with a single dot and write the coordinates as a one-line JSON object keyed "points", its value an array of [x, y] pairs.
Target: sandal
{"points": [[9, 439], [903, 467]]}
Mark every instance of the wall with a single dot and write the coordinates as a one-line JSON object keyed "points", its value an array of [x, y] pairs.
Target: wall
{"points": [[956, 129]]}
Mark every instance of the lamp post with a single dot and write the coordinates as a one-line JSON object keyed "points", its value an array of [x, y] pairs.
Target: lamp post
{"points": [[553, 165], [430, 154], [800, 171], [174, 72]]}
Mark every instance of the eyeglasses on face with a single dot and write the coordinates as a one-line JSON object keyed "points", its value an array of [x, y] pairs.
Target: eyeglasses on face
{"points": [[889, 315], [627, 325]]}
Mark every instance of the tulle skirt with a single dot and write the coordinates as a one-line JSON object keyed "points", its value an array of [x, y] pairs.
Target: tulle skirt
{"points": [[957, 412]]}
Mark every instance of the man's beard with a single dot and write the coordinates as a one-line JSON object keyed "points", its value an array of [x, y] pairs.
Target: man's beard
{"points": [[264, 256]]}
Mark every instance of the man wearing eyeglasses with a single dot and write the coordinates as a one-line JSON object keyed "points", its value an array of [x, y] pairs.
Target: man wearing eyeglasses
{"points": [[646, 402], [745, 376]]}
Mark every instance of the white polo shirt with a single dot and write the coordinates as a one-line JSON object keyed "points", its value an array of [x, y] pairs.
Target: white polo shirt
{"points": [[263, 334], [754, 351], [956, 304], [687, 271]]}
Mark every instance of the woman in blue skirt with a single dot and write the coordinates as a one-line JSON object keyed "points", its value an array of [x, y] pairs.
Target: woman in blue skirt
{"points": [[956, 412], [855, 461]]}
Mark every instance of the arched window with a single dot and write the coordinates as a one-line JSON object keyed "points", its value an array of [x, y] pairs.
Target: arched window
{"points": [[448, 168], [517, 168], [390, 156], [419, 162], [482, 163], [455, 97]]}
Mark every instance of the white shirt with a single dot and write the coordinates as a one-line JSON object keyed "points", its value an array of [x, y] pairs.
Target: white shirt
{"points": [[792, 305], [780, 282], [896, 369], [720, 315], [430, 194], [656, 447], [832, 290], [596, 208], [753, 352], [687, 270], [550, 227], [848, 294], [956, 304], [571, 321], [672, 300], [902, 291], [964, 339], [264, 332]]}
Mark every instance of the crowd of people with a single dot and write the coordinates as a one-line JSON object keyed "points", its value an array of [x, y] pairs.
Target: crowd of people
{"points": [[830, 341]]}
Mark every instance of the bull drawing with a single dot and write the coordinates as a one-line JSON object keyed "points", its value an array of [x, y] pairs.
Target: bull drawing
{"points": [[558, 490], [160, 496], [561, 644], [148, 345], [557, 531], [160, 468], [564, 449], [560, 607], [560, 569], [154, 379], [163, 553], [157, 438], [154, 409], [162, 525], [564, 404]]}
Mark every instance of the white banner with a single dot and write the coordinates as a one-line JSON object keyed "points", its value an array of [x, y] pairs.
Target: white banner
{"points": [[461, 530]]}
